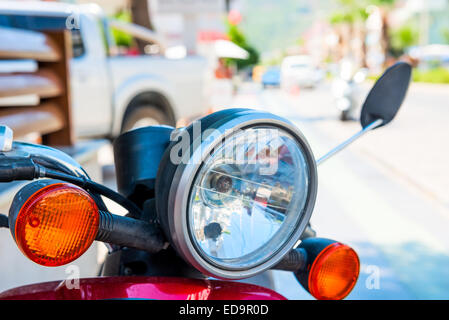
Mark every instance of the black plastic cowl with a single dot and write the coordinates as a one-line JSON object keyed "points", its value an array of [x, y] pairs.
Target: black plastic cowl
{"points": [[137, 154]]}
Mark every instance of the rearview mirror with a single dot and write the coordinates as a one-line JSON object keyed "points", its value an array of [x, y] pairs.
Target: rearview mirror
{"points": [[387, 95], [381, 105]]}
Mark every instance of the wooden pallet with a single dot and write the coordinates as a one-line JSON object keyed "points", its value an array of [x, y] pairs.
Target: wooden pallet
{"points": [[50, 116]]}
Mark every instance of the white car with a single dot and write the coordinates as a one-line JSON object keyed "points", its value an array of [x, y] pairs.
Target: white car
{"points": [[299, 71], [112, 92]]}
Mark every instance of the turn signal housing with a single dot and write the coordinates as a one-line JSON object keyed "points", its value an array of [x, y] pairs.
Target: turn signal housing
{"points": [[332, 269], [53, 222]]}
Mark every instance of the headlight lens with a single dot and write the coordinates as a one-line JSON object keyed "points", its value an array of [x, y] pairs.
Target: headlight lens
{"points": [[240, 195], [248, 197]]}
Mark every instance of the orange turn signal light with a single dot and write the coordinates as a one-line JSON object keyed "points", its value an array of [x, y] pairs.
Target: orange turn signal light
{"points": [[334, 272], [331, 269], [53, 222]]}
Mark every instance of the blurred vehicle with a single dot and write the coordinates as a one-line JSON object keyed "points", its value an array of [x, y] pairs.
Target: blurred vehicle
{"points": [[346, 89], [300, 71], [271, 77], [118, 90], [431, 53], [258, 72]]}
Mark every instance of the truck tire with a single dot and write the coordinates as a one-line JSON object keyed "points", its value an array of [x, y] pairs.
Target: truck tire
{"points": [[145, 115]]}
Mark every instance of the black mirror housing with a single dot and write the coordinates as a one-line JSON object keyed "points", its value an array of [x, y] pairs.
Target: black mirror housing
{"points": [[387, 95]]}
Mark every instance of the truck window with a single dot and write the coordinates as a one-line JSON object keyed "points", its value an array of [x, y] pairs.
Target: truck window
{"points": [[77, 44]]}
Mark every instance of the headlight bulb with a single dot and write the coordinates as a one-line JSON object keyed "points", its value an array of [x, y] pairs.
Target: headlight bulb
{"points": [[218, 185]]}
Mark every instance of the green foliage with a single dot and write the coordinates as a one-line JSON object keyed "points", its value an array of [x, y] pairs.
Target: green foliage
{"points": [[403, 37], [121, 38], [272, 25], [340, 17], [433, 75], [350, 11], [382, 3], [236, 36], [445, 35], [436, 75]]}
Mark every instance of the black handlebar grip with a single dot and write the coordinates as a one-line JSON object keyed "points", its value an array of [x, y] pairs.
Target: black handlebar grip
{"points": [[17, 168], [129, 232]]}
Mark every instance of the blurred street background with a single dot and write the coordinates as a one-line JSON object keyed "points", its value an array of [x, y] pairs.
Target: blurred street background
{"points": [[313, 62]]}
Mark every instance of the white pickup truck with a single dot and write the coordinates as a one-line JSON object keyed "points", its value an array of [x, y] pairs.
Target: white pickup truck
{"points": [[111, 91]]}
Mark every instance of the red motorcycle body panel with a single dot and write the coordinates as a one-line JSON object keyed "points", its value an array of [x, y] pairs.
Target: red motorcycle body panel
{"points": [[154, 288]]}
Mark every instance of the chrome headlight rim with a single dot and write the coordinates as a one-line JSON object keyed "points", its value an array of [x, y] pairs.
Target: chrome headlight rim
{"points": [[184, 176]]}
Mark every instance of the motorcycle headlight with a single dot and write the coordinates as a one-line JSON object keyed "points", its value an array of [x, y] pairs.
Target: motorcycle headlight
{"points": [[235, 191]]}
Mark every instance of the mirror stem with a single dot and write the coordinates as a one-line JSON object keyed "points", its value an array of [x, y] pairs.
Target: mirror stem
{"points": [[347, 142]]}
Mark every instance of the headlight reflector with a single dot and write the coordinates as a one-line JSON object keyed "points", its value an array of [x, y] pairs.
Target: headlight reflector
{"points": [[242, 210]]}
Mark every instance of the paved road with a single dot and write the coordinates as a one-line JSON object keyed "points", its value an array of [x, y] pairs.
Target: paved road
{"points": [[386, 196]]}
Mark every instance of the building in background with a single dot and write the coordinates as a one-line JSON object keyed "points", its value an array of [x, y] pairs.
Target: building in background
{"points": [[179, 22], [431, 18], [188, 22]]}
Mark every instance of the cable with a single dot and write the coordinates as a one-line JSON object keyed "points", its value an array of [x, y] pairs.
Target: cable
{"points": [[4, 221], [134, 210], [24, 168]]}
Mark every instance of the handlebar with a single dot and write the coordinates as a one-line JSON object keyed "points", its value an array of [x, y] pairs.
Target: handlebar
{"points": [[113, 229], [129, 232]]}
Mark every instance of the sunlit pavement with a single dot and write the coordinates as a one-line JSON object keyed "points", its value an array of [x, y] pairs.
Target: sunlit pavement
{"points": [[386, 195]]}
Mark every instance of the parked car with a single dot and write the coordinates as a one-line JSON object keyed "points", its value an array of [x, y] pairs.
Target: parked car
{"points": [[117, 91], [300, 71], [271, 77]]}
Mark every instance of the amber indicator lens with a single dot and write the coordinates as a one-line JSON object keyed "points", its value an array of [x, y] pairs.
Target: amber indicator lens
{"points": [[57, 224], [334, 272]]}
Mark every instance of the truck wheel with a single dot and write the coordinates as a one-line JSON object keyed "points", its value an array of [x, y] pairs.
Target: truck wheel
{"points": [[143, 116]]}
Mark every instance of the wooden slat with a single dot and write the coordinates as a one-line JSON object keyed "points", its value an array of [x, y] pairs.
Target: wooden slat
{"points": [[44, 83], [43, 119], [65, 136], [26, 44]]}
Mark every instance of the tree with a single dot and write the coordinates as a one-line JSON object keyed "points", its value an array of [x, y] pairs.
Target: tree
{"points": [[236, 36], [122, 39], [445, 35], [352, 13], [402, 38], [140, 15], [385, 8]]}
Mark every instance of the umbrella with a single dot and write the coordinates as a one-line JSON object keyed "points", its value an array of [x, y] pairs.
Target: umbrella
{"points": [[228, 49]]}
